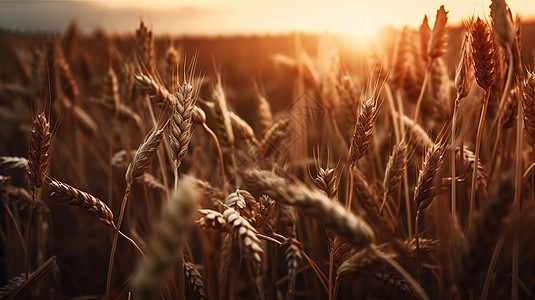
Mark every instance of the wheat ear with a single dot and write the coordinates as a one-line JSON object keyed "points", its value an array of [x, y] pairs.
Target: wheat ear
{"points": [[165, 245], [315, 203], [437, 47], [180, 124], [397, 164], [73, 196], [364, 129]]}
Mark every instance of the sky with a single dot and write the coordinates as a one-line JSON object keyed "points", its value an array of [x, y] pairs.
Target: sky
{"points": [[205, 17]]}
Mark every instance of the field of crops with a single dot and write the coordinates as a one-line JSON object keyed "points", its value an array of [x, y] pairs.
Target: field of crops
{"points": [[145, 166]]}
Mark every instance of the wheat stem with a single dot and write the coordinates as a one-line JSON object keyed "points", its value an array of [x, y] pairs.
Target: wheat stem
{"points": [[115, 238], [421, 95], [417, 238], [529, 172], [29, 235], [415, 285], [476, 156], [518, 183], [492, 266], [453, 176], [131, 241], [406, 187], [331, 271]]}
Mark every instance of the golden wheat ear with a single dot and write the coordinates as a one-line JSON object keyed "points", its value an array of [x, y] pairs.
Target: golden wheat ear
{"points": [[143, 157], [73, 196], [364, 129], [316, 203], [182, 115], [39, 151]]}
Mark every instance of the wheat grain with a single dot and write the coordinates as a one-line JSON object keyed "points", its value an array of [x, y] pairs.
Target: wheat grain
{"points": [[425, 189], [482, 53], [396, 166], [73, 196], [464, 74], [155, 90], [39, 150], [13, 162], [180, 124], [194, 280], [143, 157], [222, 115], [315, 203], [246, 234], [363, 130], [326, 182], [212, 220], [241, 129]]}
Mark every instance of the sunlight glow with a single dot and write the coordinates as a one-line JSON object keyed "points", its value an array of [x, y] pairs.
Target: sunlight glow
{"points": [[358, 18]]}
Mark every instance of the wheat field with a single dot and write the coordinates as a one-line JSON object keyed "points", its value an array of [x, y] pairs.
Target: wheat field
{"points": [[141, 166]]}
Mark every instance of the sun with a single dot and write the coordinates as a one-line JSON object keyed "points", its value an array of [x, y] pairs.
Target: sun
{"points": [[359, 28]]}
